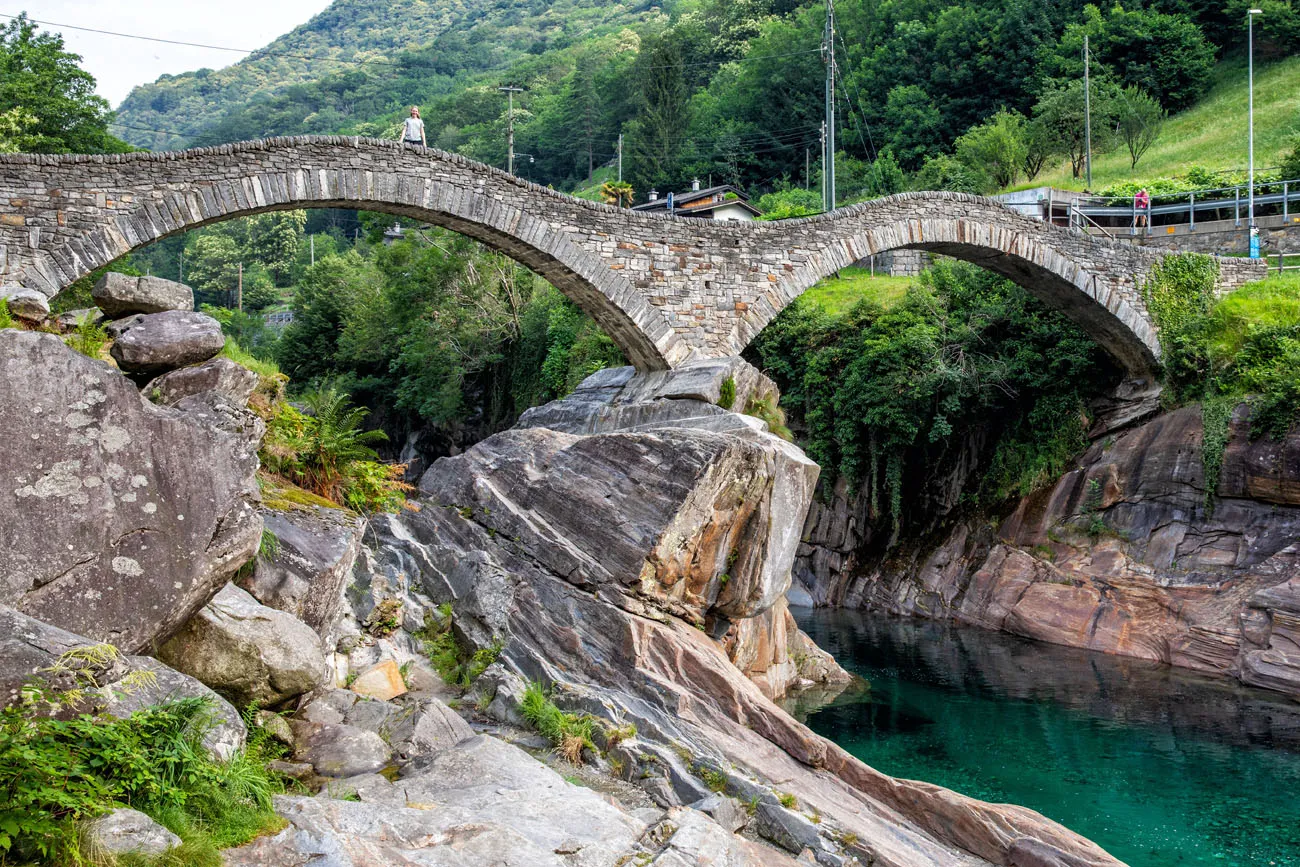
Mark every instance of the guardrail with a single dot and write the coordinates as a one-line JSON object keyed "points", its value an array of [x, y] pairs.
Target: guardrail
{"points": [[1271, 199]]}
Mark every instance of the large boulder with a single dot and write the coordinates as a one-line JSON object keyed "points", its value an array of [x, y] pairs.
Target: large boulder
{"points": [[121, 295], [121, 519], [153, 343], [219, 374], [37, 654], [126, 832], [305, 571], [587, 549], [246, 651], [25, 303]]}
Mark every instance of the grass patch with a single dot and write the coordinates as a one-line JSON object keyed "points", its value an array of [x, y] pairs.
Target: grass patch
{"points": [[570, 733], [88, 338], [55, 774], [838, 294], [284, 496], [1210, 134], [789, 801], [727, 393], [6, 318], [768, 411]]}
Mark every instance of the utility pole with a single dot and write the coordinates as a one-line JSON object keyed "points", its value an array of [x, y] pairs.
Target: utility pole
{"points": [[181, 277], [1250, 122], [510, 126], [313, 249], [807, 165], [239, 294], [828, 55], [824, 171], [1087, 116], [620, 158]]}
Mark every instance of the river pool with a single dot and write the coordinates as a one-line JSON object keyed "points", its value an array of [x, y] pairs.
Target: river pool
{"points": [[1161, 767]]}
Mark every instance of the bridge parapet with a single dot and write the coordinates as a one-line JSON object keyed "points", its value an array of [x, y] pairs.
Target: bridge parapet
{"points": [[666, 289]]}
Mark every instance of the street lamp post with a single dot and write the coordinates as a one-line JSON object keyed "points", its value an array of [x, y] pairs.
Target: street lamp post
{"points": [[1250, 123]]}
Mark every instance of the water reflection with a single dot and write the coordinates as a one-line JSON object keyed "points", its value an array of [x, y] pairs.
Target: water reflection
{"points": [[1163, 767]]}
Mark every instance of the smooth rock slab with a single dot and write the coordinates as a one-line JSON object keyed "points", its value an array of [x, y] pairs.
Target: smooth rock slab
{"points": [[127, 832], [154, 343], [219, 374], [382, 681], [247, 651], [121, 295], [121, 519]]}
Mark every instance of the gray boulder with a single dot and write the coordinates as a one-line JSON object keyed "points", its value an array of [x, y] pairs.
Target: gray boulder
{"points": [[121, 519], [71, 319], [246, 651], [127, 832], [121, 295], [339, 750], [219, 374], [25, 303], [305, 572], [154, 343]]}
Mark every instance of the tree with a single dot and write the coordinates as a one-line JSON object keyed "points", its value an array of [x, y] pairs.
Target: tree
{"points": [[212, 267], [1165, 54], [944, 172], [1277, 31], [61, 113], [996, 148], [1060, 109], [885, 176], [656, 136], [915, 124], [273, 241], [617, 193], [1140, 118], [13, 125], [1041, 145]]}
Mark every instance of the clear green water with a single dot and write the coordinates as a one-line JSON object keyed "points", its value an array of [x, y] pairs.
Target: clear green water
{"points": [[1160, 767]]}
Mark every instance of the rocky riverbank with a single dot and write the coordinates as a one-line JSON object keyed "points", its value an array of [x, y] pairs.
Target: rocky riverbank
{"points": [[616, 564], [1124, 554]]}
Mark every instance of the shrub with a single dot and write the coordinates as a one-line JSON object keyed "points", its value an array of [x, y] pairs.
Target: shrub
{"points": [[87, 337], [568, 732], [727, 393], [454, 665], [6, 318], [57, 773]]}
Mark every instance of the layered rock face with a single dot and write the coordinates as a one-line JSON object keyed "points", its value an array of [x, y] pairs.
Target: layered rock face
{"points": [[108, 530], [1120, 555], [630, 547]]}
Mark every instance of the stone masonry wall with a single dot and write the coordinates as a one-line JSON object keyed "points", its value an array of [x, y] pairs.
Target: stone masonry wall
{"points": [[665, 289]]}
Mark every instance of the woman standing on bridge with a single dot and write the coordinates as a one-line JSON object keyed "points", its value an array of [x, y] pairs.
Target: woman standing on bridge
{"points": [[1141, 208], [413, 128]]}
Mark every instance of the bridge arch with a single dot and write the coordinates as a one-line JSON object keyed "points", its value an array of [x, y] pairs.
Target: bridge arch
{"points": [[1094, 284], [109, 205]]}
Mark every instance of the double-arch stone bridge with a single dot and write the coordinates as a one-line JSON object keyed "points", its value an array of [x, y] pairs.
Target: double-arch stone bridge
{"points": [[666, 289]]}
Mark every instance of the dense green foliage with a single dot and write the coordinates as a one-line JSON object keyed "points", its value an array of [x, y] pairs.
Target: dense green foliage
{"points": [[963, 361], [47, 101], [1245, 346], [56, 773], [570, 733]]}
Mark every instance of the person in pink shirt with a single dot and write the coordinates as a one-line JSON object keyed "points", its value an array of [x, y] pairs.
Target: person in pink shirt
{"points": [[1141, 207]]}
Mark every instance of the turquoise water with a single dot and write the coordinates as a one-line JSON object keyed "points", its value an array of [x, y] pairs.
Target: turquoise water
{"points": [[1161, 768]]}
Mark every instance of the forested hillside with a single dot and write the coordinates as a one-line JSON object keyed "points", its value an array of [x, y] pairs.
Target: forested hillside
{"points": [[363, 58], [972, 96]]}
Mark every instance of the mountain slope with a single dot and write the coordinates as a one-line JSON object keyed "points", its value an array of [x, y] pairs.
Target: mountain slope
{"points": [[355, 40]]}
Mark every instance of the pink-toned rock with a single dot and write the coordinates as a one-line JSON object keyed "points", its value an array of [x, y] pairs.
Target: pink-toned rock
{"points": [[382, 681]]}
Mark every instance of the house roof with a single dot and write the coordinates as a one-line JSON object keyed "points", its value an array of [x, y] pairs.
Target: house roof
{"points": [[701, 201]]}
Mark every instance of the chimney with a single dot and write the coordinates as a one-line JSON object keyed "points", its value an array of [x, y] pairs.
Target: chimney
{"points": [[654, 195], [695, 185]]}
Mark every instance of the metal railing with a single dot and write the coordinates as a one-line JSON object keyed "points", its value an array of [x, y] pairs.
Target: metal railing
{"points": [[1273, 198]]}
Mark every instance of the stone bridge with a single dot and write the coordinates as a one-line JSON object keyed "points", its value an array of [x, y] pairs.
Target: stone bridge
{"points": [[666, 289]]}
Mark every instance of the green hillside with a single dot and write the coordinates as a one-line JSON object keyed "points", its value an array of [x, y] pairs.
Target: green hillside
{"points": [[1210, 134], [419, 48]]}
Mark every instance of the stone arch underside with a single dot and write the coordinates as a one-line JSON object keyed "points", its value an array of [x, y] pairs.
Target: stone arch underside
{"points": [[153, 196], [1104, 301]]}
